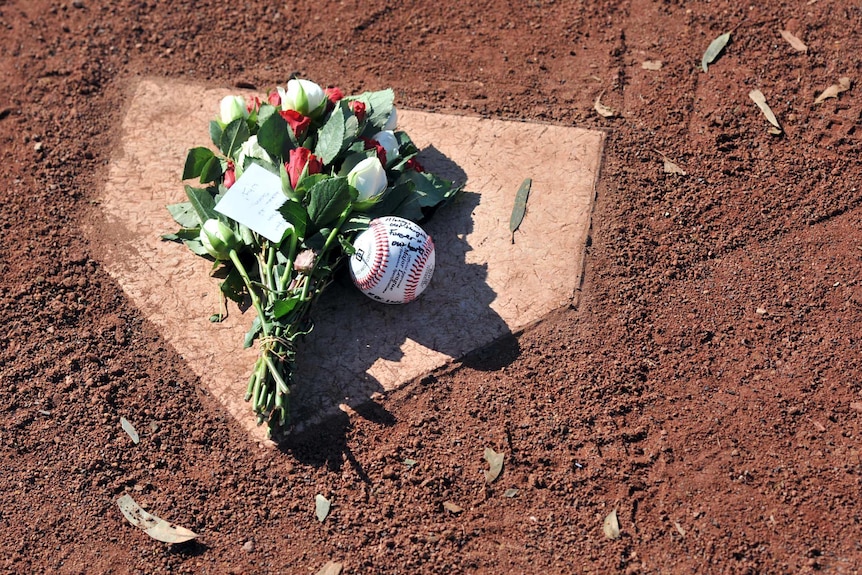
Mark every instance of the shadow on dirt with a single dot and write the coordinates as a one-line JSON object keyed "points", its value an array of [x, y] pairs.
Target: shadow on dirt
{"points": [[355, 336]]}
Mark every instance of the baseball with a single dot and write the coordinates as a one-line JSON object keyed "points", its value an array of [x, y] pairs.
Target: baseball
{"points": [[394, 260]]}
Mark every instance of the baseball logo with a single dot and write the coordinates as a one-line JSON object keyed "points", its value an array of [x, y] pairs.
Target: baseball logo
{"points": [[394, 260]]}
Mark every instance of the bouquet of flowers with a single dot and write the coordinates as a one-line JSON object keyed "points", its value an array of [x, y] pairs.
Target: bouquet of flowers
{"points": [[293, 180]]}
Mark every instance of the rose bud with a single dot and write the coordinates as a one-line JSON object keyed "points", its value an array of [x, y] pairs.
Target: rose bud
{"points": [[229, 175], [274, 99], [304, 96], [253, 105], [389, 143], [231, 108], [378, 147], [392, 121], [297, 121], [369, 179], [218, 239], [301, 162], [358, 110], [333, 94], [304, 262]]}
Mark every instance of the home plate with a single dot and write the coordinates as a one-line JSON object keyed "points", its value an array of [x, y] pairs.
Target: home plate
{"points": [[484, 286]]}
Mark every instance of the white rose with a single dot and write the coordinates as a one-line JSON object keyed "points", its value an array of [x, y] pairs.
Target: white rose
{"points": [[231, 108], [218, 239], [369, 178], [392, 120], [250, 149], [389, 142], [304, 96]]}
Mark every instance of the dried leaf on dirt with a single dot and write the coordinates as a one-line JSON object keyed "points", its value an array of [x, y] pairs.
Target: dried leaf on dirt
{"points": [[611, 526], [130, 430], [322, 505], [511, 492], [653, 65], [453, 508], [158, 529], [602, 110], [759, 99], [832, 91], [713, 50], [797, 44], [331, 568], [679, 528], [671, 168], [495, 461]]}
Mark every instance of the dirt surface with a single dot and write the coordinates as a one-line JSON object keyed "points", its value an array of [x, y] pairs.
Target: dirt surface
{"points": [[707, 387]]}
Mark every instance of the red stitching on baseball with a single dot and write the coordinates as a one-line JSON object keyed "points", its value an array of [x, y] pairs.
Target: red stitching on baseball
{"points": [[381, 258], [412, 282]]}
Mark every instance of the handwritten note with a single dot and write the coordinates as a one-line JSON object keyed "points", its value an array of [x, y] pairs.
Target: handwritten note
{"points": [[254, 200]]}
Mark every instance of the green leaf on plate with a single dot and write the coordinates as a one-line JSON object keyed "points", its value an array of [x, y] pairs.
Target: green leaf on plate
{"points": [[520, 207]]}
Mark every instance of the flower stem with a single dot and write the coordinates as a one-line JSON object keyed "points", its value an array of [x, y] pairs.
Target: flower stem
{"points": [[331, 238], [255, 299]]}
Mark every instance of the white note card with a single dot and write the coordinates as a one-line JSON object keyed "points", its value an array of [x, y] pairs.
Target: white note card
{"points": [[254, 200]]}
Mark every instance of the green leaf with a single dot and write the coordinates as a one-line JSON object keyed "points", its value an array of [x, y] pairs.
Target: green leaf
{"points": [[266, 110], [232, 286], [184, 214], [309, 182], [520, 208], [273, 136], [283, 307], [406, 145], [295, 215], [196, 161], [400, 200], [331, 138], [346, 246], [432, 190], [714, 49], [233, 136], [197, 248], [215, 132], [211, 171], [327, 200], [381, 106], [202, 202], [252, 333]]}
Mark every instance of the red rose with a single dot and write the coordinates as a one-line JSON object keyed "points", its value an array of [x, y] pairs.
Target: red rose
{"points": [[381, 151], [229, 175], [253, 104], [413, 164], [358, 109], [297, 121], [297, 161], [333, 94], [274, 99]]}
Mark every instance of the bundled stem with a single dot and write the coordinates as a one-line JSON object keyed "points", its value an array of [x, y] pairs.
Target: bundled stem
{"points": [[271, 378]]}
